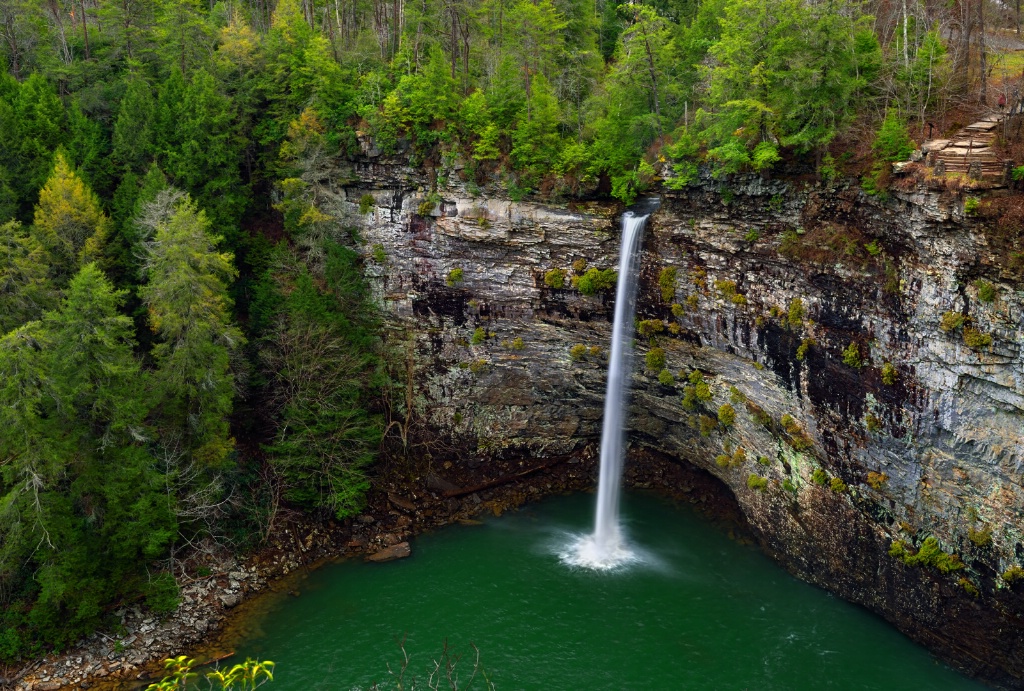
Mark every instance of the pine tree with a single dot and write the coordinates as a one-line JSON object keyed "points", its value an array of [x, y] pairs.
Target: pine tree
{"points": [[25, 289], [190, 312], [133, 136], [69, 222]]}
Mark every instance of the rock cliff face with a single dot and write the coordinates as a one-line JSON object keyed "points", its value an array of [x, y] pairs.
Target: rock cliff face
{"points": [[835, 453]]}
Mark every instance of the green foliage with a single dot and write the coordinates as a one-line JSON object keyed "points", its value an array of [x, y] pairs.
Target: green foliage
{"points": [[366, 203], [665, 378], [873, 423], [594, 281], [788, 485], [723, 460], [189, 310], [889, 374], [805, 345], [678, 310], [852, 357], [976, 339], [479, 335], [951, 321], [726, 415], [736, 396], [667, 283], [322, 356], [555, 278], [577, 352], [971, 206], [756, 482], [796, 436], [837, 485], [378, 254], [819, 477], [873, 248], [655, 359], [795, 315], [969, 588], [930, 554], [707, 425], [245, 676], [454, 278], [892, 144], [650, 327], [517, 343], [1013, 575], [981, 538], [986, 291]]}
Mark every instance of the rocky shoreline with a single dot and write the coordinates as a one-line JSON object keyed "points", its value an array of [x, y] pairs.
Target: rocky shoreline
{"points": [[398, 508]]}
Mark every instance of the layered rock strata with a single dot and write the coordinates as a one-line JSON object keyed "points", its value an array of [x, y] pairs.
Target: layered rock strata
{"points": [[860, 386]]}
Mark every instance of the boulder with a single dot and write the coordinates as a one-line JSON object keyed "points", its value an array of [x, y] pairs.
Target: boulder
{"points": [[399, 551]]}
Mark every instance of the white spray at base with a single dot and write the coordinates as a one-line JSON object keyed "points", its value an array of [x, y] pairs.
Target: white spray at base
{"points": [[606, 548]]}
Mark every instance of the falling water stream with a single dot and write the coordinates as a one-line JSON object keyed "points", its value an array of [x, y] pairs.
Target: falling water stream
{"points": [[606, 548]]}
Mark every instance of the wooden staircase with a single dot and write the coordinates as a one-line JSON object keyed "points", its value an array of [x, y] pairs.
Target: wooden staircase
{"points": [[969, 151]]}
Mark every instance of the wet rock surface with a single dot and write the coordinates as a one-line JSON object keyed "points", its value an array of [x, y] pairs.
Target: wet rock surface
{"points": [[818, 314]]}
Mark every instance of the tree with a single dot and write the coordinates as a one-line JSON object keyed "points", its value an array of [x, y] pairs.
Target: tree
{"points": [[69, 222], [190, 312], [25, 290], [322, 355], [83, 510], [133, 133]]}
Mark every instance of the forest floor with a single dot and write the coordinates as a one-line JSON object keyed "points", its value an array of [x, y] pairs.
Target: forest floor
{"points": [[404, 502]]}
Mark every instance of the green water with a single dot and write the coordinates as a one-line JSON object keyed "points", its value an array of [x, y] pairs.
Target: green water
{"points": [[703, 613]]}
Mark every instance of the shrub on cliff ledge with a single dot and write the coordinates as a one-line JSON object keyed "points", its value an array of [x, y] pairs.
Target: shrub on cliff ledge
{"points": [[726, 415], [655, 359], [594, 281], [930, 554], [555, 278], [665, 378], [951, 321], [851, 356], [577, 352], [888, 374], [756, 482], [667, 283], [455, 277], [1013, 575], [976, 339]]}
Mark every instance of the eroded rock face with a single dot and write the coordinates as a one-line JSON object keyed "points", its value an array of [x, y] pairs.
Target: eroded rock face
{"points": [[916, 434]]}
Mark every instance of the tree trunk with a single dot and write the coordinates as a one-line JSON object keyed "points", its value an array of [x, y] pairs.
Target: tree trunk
{"points": [[85, 31], [981, 49], [654, 79]]}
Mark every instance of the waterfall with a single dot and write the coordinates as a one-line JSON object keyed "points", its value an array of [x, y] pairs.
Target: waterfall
{"points": [[606, 548]]}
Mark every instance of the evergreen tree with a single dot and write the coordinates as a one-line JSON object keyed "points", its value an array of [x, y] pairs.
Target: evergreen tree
{"points": [[25, 289], [69, 222], [190, 312]]}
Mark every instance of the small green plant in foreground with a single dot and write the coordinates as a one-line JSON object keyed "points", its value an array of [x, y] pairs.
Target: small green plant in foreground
{"points": [[479, 334], [577, 352], [819, 477], [246, 676], [665, 378], [976, 339]]}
